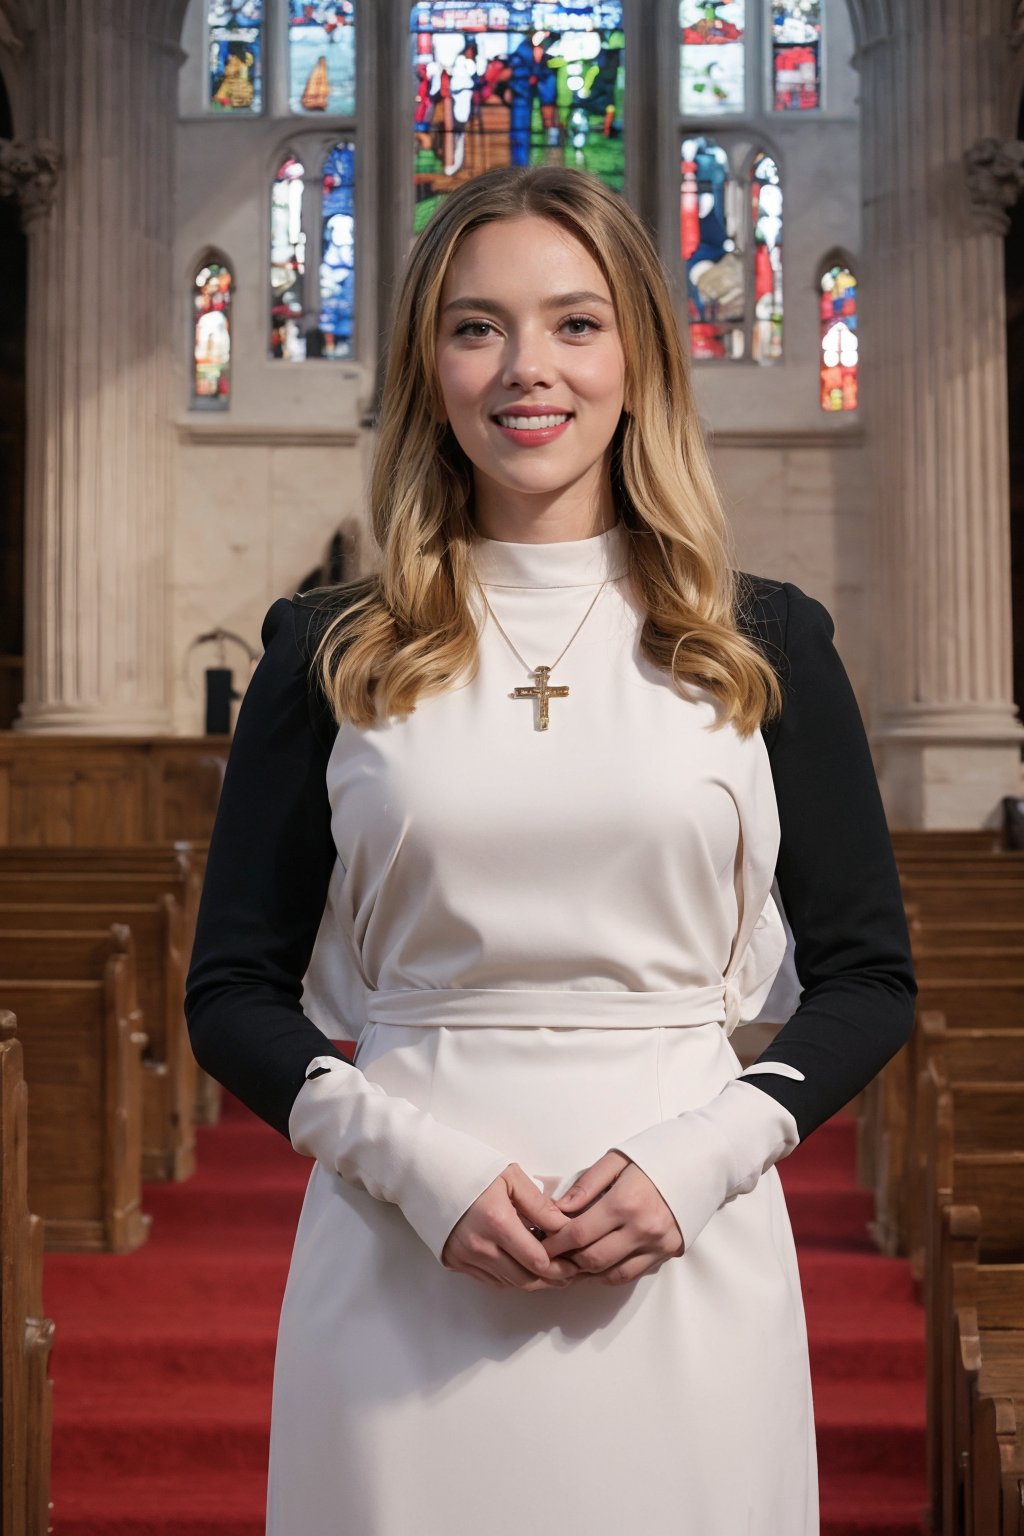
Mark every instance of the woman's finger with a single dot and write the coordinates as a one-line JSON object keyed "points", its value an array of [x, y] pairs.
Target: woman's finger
{"points": [[520, 1249], [508, 1270], [613, 1248], [583, 1230], [534, 1207], [592, 1182]]}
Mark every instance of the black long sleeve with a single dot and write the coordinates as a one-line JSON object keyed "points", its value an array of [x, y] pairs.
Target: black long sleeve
{"points": [[836, 870], [268, 869]]}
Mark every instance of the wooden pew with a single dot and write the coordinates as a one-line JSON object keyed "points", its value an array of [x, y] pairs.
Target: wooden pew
{"points": [[180, 878], [964, 1058], [977, 934], [180, 866], [959, 900], [998, 1461], [26, 1335], [886, 1130], [913, 840], [995, 869], [971, 1055], [990, 1181], [988, 1117], [82, 1053], [973, 963], [988, 1361], [169, 1081]]}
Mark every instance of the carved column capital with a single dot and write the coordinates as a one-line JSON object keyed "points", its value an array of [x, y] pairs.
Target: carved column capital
{"points": [[29, 172], [995, 176]]}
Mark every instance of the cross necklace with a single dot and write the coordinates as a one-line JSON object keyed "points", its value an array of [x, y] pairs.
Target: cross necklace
{"points": [[541, 689]]}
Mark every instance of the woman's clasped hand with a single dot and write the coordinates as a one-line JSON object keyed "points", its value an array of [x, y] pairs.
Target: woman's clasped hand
{"points": [[612, 1226]]}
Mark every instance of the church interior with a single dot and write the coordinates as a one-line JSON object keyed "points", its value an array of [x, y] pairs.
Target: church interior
{"points": [[836, 190]]}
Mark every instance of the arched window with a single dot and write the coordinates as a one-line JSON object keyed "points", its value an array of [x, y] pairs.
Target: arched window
{"points": [[234, 52], [838, 310], [322, 56], [287, 261], [312, 306], [212, 287], [712, 57], [711, 233], [509, 84], [766, 218], [796, 55]]}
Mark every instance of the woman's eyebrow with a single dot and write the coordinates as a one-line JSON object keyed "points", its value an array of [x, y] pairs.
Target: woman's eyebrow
{"points": [[555, 301]]}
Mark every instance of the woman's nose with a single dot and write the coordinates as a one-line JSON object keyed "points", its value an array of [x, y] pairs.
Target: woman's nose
{"points": [[526, 360]]}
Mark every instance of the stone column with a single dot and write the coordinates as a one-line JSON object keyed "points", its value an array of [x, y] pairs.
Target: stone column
{"points": [[937, 179], [99, 80]]}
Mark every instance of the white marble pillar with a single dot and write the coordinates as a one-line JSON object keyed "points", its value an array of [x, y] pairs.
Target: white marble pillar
{"points": [[937, 177], [99, 83]]}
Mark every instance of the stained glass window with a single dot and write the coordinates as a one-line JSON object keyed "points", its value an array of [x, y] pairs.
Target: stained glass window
{"points": [[766, 221], [322, 56], [337, 252], [711, 57], [796, 55], [515, 84], [211, 342], [710, 225], [234, 42], [287, 262], [838, 339]]}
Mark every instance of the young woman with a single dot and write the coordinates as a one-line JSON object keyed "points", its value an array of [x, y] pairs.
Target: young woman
{"points": [[510, 811]]}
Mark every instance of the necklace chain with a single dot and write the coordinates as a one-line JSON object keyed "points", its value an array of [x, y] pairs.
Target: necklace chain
{"points": [[565, 647]]}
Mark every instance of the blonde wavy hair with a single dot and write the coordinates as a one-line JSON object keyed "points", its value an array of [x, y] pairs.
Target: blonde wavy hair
{"points": [[407, 630]]}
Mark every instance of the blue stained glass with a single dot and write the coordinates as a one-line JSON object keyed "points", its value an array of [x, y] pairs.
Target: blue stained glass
{"points": [[338, 252], [515, 84], [322, 56], [710, 225], [234, 32]]}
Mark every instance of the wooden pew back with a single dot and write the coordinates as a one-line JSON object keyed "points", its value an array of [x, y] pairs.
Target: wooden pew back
{"points": [[26, 1336], [170, 1070], [82, 1053]]}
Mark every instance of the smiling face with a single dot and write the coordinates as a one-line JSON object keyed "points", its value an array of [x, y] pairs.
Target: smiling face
{"points": [[526, 319]]}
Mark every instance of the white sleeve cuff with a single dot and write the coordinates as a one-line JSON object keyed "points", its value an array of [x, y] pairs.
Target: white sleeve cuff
{"points": [[384, 1144], [705, 1157]]}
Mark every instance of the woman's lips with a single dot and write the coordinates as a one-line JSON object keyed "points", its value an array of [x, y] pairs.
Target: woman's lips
{"points": [[533, 437]]}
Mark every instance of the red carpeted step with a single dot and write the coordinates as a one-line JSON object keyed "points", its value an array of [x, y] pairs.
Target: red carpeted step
{"points": [[151, 1502], [163, 1359], [853, 1504], [869, 1425]]}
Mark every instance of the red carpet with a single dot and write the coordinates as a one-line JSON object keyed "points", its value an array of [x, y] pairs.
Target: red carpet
{"points": [[162, 1359]]}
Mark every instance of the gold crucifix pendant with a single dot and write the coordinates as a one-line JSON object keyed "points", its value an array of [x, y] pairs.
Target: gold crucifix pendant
{"points": [[541, 691]]}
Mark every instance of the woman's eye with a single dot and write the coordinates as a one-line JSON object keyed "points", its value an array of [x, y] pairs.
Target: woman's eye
{"points": [[473, 327], [468, 325], [582, 320]]}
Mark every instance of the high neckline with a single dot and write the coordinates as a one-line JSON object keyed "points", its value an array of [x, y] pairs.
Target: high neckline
{"points": [[566, 563]]}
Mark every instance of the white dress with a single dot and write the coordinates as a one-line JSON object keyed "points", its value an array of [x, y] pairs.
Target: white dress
{"points": [[549, 936]]}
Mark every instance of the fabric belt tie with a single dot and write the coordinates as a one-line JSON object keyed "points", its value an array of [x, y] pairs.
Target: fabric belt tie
{"points": [[536, 1008]]}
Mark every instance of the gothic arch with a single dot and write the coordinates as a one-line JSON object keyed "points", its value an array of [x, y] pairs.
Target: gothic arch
{"points": [[835, 256]]}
